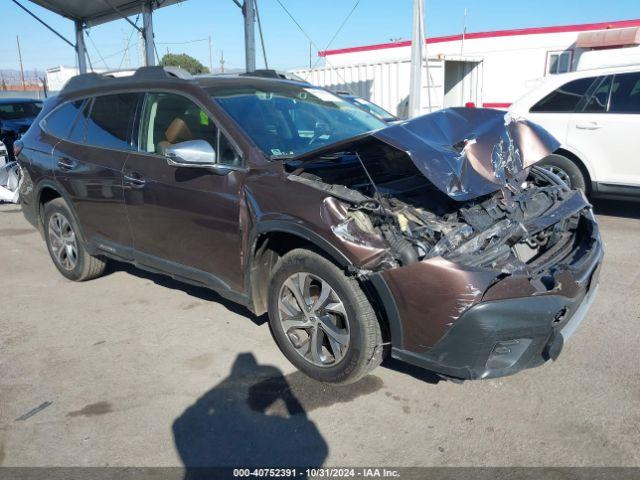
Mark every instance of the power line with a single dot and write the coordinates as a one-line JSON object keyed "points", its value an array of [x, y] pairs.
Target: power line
{"points": [[96, 49], [184, 43], [264, 52], [344, 22], [126, 49], [346, 85]]}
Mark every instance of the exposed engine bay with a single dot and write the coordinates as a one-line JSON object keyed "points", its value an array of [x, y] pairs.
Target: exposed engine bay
{"points": [[382, 199]]}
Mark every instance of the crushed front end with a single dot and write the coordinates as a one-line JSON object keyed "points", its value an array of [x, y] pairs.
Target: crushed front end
{"points": [[483, 263]]}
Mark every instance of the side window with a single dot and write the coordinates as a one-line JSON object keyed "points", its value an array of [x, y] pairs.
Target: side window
{"points": [[169, 119], [565, 99], [79, 129], [59, 122], [227, 155], [110, 119], [599, 99], [625, 93], [559, 62]]}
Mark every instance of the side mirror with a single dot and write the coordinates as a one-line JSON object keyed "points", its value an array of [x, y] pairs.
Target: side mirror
{"points": [[192, 153]]}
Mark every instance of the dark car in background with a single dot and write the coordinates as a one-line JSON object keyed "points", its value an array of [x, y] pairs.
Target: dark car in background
{"points": [[16, 116], [370, 107], [437, 240]]}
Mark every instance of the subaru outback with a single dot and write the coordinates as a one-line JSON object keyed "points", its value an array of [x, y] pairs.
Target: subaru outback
{"points": [[437, 240]]}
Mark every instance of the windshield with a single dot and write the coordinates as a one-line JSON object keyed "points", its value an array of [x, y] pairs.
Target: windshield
{"points": [[373, 109], [287, 120], [16, 111]]}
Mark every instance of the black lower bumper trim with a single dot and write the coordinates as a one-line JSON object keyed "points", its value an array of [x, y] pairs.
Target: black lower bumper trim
{"points": [[499, 338]]}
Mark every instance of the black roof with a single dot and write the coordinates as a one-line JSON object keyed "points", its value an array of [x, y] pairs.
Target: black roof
{"points": [[142, 76]]}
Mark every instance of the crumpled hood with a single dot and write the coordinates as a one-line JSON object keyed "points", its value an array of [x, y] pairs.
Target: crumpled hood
{"points": [[468, 152]]}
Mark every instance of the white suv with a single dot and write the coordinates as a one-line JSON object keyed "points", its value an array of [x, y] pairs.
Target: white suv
{"points": [[595, 115]]}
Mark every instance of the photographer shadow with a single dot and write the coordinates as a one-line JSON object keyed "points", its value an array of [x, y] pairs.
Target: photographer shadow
{"points": [[238, 423]]}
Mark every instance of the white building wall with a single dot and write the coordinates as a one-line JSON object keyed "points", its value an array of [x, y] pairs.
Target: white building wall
{"points": [[384, 83], [58, 76], [511, 65]]}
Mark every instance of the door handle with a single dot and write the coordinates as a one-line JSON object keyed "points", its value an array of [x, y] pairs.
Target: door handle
{"points": [[588, 126], [135, 180], [66, 164]]}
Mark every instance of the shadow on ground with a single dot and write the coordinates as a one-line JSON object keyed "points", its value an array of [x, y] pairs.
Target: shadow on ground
{"points": [[617, 208], [198, 292], [257, 417], [252, 418]]}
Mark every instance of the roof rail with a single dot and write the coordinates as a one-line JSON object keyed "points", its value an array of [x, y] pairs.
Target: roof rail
{"points": [[267, 73], [90, 80]]}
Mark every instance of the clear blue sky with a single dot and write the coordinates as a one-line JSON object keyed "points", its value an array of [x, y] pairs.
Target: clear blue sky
{"points": [[373, 21]]}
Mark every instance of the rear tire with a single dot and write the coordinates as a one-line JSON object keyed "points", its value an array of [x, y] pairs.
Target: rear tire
{"points": [[567, 170], [65, 245], [336, 318]]}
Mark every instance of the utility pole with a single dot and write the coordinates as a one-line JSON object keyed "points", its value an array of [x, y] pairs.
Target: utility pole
{"points": [[249, 12], [147, 34], [210, 56], [20, 58], [221, 61], [81, 48], [418, 45]]}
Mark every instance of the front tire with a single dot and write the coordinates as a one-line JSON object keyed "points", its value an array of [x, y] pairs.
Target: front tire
{"points": [[567, 170], [65, 245], [321, 319]]}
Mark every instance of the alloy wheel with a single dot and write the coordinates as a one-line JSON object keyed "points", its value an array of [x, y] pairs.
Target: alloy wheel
{"points": [[63, 241], [314, 319], [560, 173]]}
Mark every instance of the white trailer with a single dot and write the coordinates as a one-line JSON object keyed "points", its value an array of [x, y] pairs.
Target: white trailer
{"points": [[488, 69], [446, 82]]}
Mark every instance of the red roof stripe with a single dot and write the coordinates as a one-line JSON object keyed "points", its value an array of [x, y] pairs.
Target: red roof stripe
{"points": [[497, 33]]}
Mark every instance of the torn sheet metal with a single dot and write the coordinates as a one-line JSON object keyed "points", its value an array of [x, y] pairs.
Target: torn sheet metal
{"points": [[464, 152], [10, 180], [467, 152]]}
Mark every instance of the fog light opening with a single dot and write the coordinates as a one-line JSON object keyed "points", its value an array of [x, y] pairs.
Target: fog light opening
{"points": [[506, 353]]}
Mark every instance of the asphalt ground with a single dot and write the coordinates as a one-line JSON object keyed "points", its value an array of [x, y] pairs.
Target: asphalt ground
{"points": [[136, 369]]}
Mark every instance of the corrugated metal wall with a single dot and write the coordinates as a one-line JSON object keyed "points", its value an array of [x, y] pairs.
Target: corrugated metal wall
{"points": [[386, 84]]}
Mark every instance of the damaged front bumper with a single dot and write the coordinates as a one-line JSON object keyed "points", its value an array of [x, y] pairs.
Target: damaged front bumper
{"points": [[461, 322]]}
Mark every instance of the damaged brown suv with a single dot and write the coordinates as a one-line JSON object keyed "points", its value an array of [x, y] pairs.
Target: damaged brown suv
{"points": [[436, 240]]}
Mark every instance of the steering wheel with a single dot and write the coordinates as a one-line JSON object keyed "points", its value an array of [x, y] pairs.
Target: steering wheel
{"points": [[320, 130]]}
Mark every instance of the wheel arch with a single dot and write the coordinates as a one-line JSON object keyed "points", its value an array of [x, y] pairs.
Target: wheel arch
{"points": [[586, 169], [48, 191], [273, 239]]}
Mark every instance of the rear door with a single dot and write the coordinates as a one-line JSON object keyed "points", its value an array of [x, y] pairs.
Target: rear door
{"points": [[184, 220], [607, 130], [89, 165], [555, 110]]}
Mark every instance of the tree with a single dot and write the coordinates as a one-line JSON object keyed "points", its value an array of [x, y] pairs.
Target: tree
{"points": [[184, 61]]}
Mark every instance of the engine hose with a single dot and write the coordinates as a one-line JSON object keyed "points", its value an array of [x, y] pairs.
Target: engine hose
{"points": [[403, 248]]}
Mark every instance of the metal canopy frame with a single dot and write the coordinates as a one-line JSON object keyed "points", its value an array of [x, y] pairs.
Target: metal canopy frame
{"points": [[85, 14], [89, 13]]}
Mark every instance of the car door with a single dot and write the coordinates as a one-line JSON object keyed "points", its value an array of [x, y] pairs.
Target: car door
{"points": [[185, 221], [607, 130], [89, 165], [554, 111]]}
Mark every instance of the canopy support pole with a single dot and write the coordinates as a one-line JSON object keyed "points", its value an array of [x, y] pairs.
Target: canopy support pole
{"points": [[81, 49], [249, 12], [147, 33]]}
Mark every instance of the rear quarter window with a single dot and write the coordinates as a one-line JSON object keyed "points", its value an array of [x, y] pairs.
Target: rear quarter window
{"points": [[625, 94], [59, 122], [565, 99]]}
